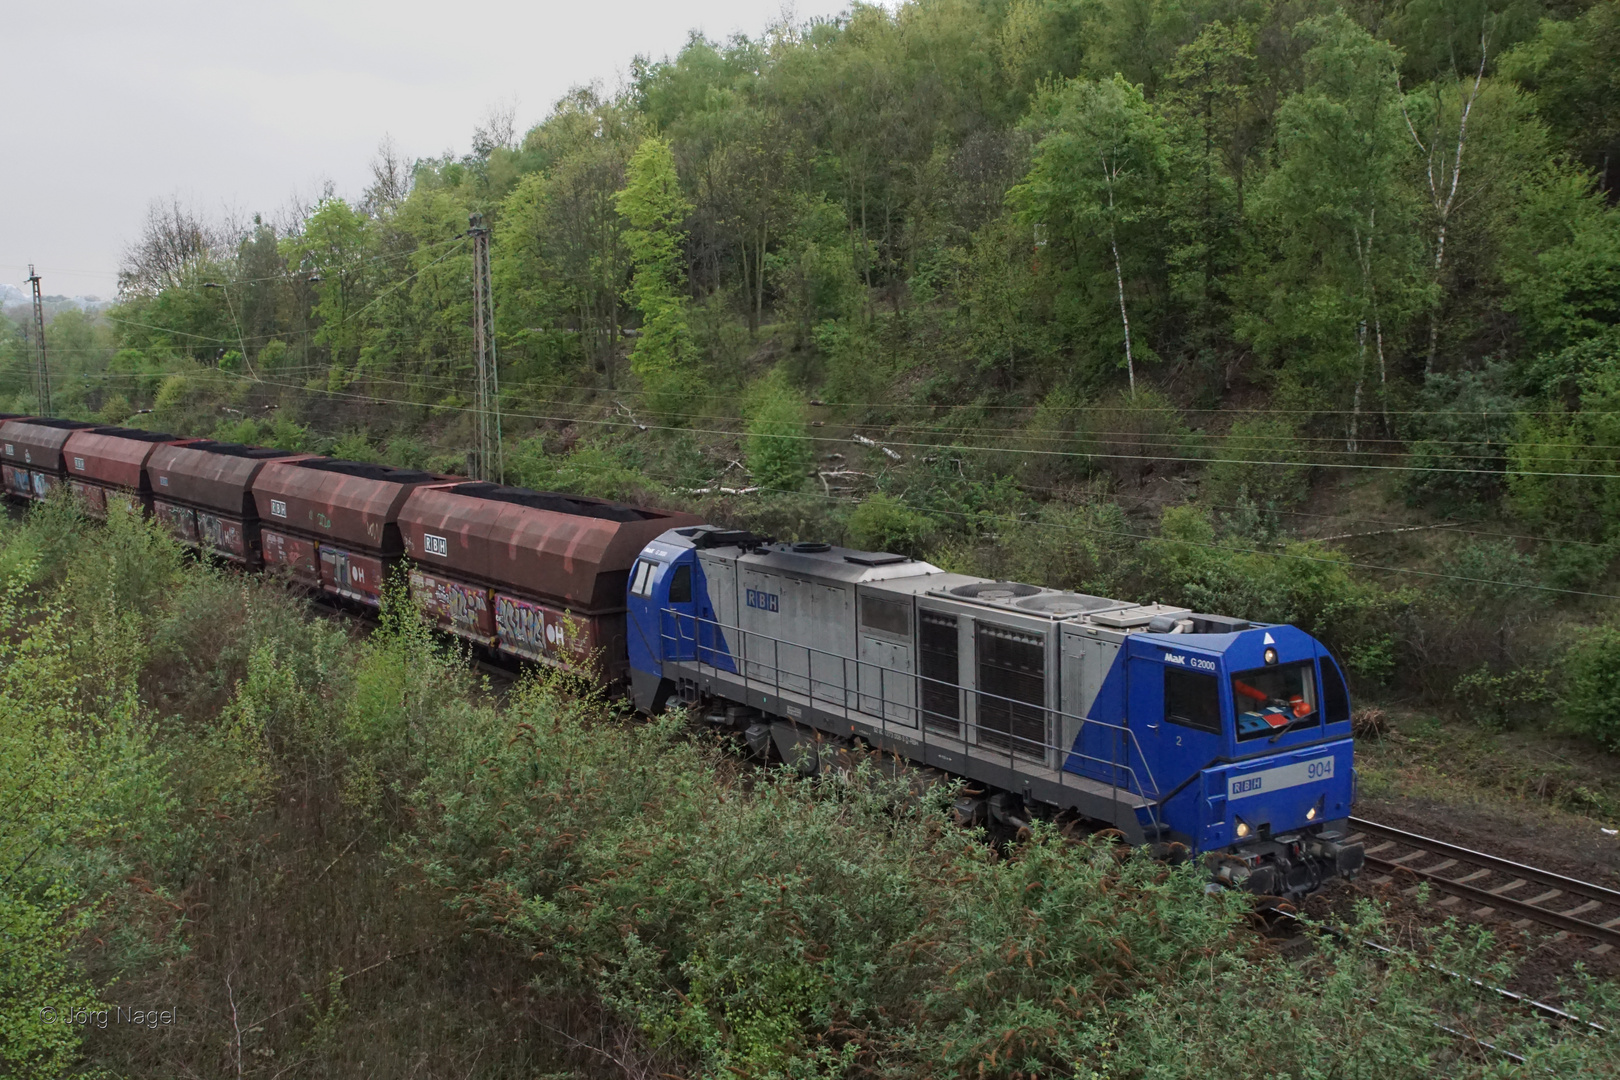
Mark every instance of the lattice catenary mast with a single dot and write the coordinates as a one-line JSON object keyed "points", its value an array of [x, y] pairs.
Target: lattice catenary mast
{"points": [[42, 375], [491, 461]]}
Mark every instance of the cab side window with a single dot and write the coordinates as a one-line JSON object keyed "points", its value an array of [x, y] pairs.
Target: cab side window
{"points": [[1335, 698], [680, 586], [642, 579], [1192, 699]]}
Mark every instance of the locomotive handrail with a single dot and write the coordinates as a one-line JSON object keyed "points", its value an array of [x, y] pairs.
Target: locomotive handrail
{"points": [[920, 727]]}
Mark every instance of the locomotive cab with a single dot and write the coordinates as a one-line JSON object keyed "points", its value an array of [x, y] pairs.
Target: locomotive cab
{"points": [[1255, 726]]}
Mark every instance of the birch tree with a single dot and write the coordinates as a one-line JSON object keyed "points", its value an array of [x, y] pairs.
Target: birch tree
{"points": [[1341, 215], [1095, 183]]}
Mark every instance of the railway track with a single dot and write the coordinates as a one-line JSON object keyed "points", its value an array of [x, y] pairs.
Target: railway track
{"points": [[1484, 886]]}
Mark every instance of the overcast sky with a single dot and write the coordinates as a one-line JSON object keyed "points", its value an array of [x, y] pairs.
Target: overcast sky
{"points": [[111, 104]]}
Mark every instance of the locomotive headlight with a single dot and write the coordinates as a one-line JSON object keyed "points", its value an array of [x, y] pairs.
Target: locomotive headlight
{"points": [[1242, 828], [1310, 815], [1271, 656]]}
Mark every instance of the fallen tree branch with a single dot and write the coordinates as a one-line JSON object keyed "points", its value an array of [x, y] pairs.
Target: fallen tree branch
{"points": [[864, 441], [1388, 532]]}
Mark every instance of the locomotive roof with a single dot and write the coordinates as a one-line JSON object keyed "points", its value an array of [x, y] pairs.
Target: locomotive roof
{"points": [[825, 561], [836, 563]]}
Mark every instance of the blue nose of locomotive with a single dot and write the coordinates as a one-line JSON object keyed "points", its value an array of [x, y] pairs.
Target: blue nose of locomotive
{"points": [[1254, 728]]}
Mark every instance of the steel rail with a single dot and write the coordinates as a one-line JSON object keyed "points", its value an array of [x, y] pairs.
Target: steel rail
{"points": [[1551, 1012], [1608, 934]]}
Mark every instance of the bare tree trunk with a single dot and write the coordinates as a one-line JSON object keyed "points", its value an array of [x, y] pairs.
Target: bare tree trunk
{"points": [[1119, 278], [759, 278], [1443, 196], [1364, 256], [1124, 317], [748, 286], [1383, 374], [613, 338], [1361, 371]]}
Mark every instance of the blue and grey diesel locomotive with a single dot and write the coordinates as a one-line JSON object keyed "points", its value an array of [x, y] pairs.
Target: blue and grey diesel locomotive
{"points": [[1227, 738]]}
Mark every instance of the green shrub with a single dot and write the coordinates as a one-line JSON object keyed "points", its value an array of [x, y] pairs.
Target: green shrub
{"points": [[884, 523], [355, 446], [245, 430], [778, 451], [1304, 584], [1130, 436], [1459, 440], [1249, 465], [1591, 703], [602, 472], [1494, 700], [1085, 547]]}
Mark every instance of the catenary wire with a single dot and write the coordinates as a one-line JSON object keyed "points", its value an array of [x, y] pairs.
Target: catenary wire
{"points": [[1141, 537]]}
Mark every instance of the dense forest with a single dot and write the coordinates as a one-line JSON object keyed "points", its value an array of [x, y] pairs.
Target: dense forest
{"points": [[1284, 309], [1139, 296]]}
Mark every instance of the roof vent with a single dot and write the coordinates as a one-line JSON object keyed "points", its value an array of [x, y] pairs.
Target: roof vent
{"points": [[1218, 624], [994, 590], [1066, 603], [810, 547], [705, 537], [874, 558]]}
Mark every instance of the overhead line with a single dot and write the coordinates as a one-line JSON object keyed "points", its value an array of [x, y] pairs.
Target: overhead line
{"points": [[1145, 537], [947, 446]]}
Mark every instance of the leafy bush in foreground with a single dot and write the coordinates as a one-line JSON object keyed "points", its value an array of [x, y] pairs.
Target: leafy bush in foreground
{"points": [[842, 928], [739, 924]]}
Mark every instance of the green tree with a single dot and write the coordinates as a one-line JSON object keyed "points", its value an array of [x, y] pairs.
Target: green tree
{"points": [[560, 259], [1574, 68], [1346, 273], [1562, 262], [1097, 180], [656, 211], [331, 250], [1213, 107]]}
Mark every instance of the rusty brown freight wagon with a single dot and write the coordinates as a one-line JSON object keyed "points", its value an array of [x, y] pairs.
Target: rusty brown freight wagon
{"points": [[110, 463], [203, 492], [531, 573], [9, 480], [31, 454], [334, 524]]}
